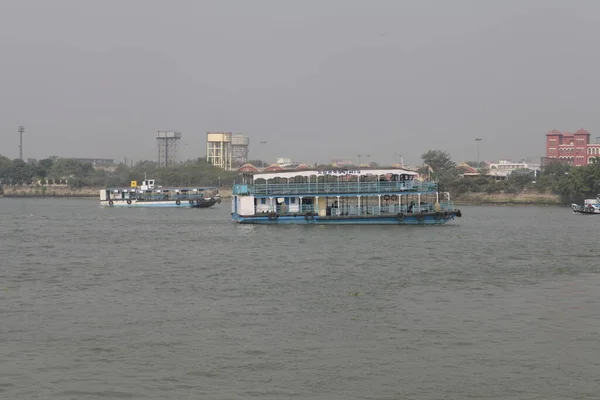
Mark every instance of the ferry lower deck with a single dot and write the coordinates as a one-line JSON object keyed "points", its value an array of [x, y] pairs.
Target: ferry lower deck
{"points": [[413, 208]]}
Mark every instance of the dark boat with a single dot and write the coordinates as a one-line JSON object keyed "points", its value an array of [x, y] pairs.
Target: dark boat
{"points": [[205, 203]]}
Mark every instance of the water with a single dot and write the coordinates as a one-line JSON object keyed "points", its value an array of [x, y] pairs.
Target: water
{"points": [[183, 304]]}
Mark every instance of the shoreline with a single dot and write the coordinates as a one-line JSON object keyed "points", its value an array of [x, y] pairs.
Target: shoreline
{"points": [[503, 199], [464, 199], [62, 192], [456, 203], [473, 203]]}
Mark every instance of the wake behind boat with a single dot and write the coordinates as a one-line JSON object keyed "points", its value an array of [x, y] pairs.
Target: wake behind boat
{"points": [[150, 195]]}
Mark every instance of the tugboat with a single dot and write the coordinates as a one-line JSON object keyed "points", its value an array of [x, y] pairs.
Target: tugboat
{"points": [[148, 194], [590, 206]]}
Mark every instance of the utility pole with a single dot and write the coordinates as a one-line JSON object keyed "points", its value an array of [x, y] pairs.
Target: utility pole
{"points": [[477, 140], [21, 131], [262, 161]]}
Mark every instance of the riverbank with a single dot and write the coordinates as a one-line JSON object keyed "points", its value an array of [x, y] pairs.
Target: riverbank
{"points": [[458, 199], [49, 191], [507, 199], [66, 192]]}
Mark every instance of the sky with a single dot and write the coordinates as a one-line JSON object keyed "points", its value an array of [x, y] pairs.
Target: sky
{"points": [[315, 79]]}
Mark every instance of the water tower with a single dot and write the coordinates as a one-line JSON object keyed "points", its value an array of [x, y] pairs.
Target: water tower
{"points": [[218, 149], [168, 148], [239, 148]]}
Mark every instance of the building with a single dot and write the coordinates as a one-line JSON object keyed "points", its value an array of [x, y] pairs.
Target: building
{"points": [[285, 162], [500, 170], [343, 163], [507, 166], [570, 148], [168, 148], [96, 162], [239, 149], [218, 149]]}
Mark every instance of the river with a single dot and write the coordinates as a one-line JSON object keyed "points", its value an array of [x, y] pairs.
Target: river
{"points": [[104, 303]]}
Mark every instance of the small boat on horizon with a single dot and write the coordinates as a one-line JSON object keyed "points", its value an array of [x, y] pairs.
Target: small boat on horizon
{"points": [[393, 196], [148, 194]]}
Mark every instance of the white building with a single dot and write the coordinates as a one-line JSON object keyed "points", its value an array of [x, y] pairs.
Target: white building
{"points": [[506, 167], [284, 162]]}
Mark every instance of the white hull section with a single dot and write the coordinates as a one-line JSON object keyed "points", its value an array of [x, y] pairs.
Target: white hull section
{"points": [[135, 203]]}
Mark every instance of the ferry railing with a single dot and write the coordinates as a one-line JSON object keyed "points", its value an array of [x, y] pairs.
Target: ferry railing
{"points": [[354, 209], [166, 196], [265, 189], [389, 209], [241, 189], [304, 208], [281, 209]]}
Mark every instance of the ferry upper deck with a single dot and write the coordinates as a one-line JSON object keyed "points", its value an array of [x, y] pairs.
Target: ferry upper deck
{"points": [[333, 182]]}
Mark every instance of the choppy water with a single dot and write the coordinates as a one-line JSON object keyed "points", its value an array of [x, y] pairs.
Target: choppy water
{"points": [[183, 304]]}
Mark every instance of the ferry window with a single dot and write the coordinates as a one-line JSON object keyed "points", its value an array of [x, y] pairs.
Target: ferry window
{"points": [[263, 201], [293, 200]]}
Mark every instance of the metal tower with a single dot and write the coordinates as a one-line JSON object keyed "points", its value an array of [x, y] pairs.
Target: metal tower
{"points": [[239, 148], [21, 131], [168, 148]]}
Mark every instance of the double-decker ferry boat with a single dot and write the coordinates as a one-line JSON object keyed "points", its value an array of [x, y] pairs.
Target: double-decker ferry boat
{"points": [[365, 196], [590, 206], [151, 195]]}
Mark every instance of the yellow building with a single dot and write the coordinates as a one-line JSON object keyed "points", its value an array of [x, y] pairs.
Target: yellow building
{"points": [[218, 149]]}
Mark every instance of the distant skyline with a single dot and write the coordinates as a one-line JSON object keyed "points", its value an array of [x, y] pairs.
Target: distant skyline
{"points": [[315, 80]]}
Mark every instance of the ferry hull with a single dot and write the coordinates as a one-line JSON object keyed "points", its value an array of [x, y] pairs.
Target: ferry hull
{"points": [[350, 220], [158, 204]]}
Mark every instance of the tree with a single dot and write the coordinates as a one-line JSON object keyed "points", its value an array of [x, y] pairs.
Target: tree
{"points": [[443, 169], [6, 166], [46, 163], [438, 160], [519, 179], [58, 170], [69, 168], [556, 168]]}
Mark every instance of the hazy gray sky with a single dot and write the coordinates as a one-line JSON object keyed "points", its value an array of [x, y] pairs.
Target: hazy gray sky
{"points": [[316, 79]]}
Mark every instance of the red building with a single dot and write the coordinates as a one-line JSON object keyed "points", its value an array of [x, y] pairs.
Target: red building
{"points": [[572, 148]]}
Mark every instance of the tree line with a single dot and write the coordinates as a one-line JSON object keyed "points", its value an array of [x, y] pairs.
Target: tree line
{"points": [[75, 174], [571, 183]]}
